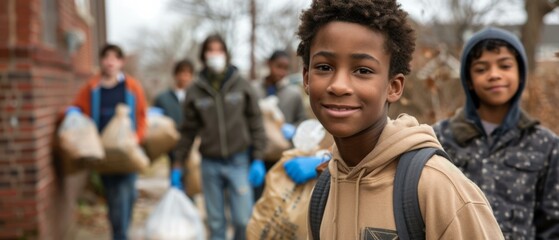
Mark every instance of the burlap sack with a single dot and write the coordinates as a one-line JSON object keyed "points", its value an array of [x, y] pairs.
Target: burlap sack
{"points": [[123, 153], [161, 136], [281, 212], [78, 142], [273, 120], [193, 179]]}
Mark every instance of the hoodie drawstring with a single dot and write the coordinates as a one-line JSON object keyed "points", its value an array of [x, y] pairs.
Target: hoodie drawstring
{"points": [[356, 206], [336, 198]]}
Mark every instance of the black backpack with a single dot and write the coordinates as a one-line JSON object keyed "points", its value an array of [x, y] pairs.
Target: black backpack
{"points": [[409, 221]]}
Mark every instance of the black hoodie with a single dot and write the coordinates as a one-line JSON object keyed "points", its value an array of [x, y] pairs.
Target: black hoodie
{"points": [[518, 169]]}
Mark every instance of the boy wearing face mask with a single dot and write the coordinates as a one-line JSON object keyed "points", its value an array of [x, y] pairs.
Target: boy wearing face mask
{"points": [[222, 108]]}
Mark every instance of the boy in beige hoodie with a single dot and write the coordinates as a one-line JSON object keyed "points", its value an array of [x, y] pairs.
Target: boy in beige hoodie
{"points": [[355, 56]]}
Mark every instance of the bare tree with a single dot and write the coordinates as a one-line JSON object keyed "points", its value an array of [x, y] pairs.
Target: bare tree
{"points": [[272, 25], [214, 16], [531, 30], [464, 17], [253, 19], [156, 54]]}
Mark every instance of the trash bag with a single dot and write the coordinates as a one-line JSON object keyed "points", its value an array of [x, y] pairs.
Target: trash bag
{"points": [[78, 141], [281, 212], [175, 217], [161, 136], [193, 179], [123, 154], [273, 120]]}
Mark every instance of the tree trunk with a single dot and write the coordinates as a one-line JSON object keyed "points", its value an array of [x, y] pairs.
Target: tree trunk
{"points": [[532, 28], [531, 34], [253, 39], [531, 31]]}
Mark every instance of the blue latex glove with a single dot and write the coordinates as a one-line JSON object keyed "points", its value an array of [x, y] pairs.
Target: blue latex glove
{"points": [[257, 173], [288, 131], [176, 179], [303, 169], [72, 109]]}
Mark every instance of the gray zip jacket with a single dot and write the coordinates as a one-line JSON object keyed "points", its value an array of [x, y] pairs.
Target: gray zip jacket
{"points": [[290, 100], [228, 121]]}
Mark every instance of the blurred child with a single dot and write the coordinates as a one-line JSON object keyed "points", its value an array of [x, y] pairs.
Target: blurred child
{"points": [[171, 101], [289, 96], [98, 99]]}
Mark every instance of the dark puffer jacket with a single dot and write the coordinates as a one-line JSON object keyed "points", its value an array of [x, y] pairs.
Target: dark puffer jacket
{"points": [[518, 169]]}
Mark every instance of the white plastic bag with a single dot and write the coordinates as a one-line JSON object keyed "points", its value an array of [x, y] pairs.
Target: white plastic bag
{"points": [[273, 120], [175, 217]]}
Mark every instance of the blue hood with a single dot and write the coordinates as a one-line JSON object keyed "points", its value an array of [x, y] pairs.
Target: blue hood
{"points": [[472, 100]]}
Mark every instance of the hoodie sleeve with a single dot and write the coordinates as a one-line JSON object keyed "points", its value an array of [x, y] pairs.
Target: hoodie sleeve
{"points": [[452, 206], [255, 123], [473, 221], [546, 215]]}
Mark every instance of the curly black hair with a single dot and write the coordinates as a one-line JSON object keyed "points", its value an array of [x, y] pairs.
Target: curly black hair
{"points": [[385, 16]]}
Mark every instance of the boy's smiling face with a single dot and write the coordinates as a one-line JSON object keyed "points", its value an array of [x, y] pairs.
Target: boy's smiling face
{"points": [[348, 78], [494, 77]]}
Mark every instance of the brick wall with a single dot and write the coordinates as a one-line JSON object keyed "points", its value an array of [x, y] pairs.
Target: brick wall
{"points": [[37, 81]]}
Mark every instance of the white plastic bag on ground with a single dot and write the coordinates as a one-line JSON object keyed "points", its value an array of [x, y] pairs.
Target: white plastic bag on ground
{"points": [[175, 217]]}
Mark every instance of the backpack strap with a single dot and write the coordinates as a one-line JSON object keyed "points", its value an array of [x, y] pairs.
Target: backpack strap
{"points": [[407, 214], [318, 203], [409, 221]]}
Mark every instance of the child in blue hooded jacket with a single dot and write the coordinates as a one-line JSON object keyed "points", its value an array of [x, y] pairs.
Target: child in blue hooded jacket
{"points": [[497, 145]]}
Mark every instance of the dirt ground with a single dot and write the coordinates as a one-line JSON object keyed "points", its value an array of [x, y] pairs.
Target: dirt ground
{"points": [[92, 223]]}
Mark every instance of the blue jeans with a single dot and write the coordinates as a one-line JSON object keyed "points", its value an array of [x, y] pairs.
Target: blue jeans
{"points": [[220, 175], [120, 191]]}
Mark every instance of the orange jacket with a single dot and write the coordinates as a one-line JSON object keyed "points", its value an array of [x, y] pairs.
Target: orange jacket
{"points": [[88, 100]]}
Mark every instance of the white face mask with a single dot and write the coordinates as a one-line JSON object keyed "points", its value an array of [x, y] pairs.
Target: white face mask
{"points": [[216, 63]]}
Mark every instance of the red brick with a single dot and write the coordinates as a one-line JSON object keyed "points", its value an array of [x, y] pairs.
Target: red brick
{"points": [[8, 192], [7, 214], [7, 233], [42, 80], [24, 224]]}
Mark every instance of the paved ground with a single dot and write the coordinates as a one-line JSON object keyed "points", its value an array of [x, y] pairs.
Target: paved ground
{"points": [[92, 223]]}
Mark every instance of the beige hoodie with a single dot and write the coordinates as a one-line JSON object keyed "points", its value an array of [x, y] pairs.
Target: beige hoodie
{"points": [[360, 200]]}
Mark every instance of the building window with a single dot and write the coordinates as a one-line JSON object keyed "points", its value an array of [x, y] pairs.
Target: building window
{"points": [[83, 8], [49, 16]]}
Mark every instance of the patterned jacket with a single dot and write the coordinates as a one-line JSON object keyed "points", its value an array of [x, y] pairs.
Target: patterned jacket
{"points": [[519, 173], [517, 165]]}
